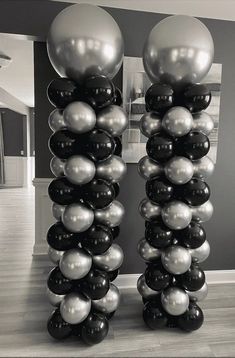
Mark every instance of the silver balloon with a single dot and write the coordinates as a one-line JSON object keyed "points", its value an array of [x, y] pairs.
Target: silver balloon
{"points": [[57, 211], [176, 215], [174, 301], [54, 299], [176, 259], [148, 168], [203, 212], [203, 122], [179, 170], [113, 120], [111, 259], [57, 166], [112, 169], [79, 169], [144, 290], [179, 51], [203, 168], [56, 120], [177, 122], [75, 308], [148, 252], [79, 117], [200, 295], [201, 253], [77, 217], [149, 210], [110, 302], [85, 40], [54, 255], [150, 123], [75, 264], [111, 215]]}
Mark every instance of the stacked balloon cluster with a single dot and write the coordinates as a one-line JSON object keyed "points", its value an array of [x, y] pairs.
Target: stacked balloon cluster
{"points": [[87, 125], [177, 200]]}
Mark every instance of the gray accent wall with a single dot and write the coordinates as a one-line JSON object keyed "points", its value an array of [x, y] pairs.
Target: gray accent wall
{"points": [[13, 124]]}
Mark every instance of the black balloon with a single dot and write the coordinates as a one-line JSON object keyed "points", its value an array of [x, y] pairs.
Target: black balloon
{"points": [[116, 187], [99, 145], [97, 239], [57, 327], [196, 192], [159, 98], [113, 275], [62, 192], [98, 193], [197, 97], [62, 91], [194, 145], [94, 328], [58, 283], [118, 146], [95, 284], [117, 97], [59, 238], [154, 316], [192, 319], [99, 91], [193, 279], [109, 315], [159, 190], [156, 277], [193, 236], [63, 144], [115, 231], [158, 235], [159, 147]]}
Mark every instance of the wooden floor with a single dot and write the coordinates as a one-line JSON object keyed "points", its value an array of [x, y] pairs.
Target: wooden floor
{"points": [[24, 308]]}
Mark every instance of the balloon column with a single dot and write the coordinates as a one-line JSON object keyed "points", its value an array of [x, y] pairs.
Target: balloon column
{"points": [[178, 53], [85, 46]]}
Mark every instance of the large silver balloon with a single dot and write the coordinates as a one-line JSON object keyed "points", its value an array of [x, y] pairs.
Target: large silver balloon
{"points": [[57, 211], [203, 168], [111, 215], [55, 255], [177, 122], [201, 253], [111, 259], [176, 259], [148, 168], [53, 298], [203, 212], [144, 290], [79, 117], [148, 252], [79, 169], [57, 166], [179, 51], [203, 122], [150, 123], [75, 264], [56, 120], [175, 301], [179, 170], [200, 295], [110, 302], [75, 308], [176, 215], [85, 40], [112, 169], [77, 217], [149, 210], [113, 120]]}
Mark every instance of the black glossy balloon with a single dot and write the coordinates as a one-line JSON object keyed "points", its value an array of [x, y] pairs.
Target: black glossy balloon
{"points": [[118, 146], [154, 316], [99, 91], [95, 284], [193, 236], [99, 145], [98, 193], [116, 188], [62, 91], [192, 319], [62, 192], [159, 98], [97, 239], [193, 279], [159, 147], [156, 277], [159, 190], [59, 238], [57, 327], [197, 97], [94, 328], [58, 283], [113, 275], [117, 97], [196, 192], [194, 145], [109, 315], [63, 144], [158, 235], [115, 231]]}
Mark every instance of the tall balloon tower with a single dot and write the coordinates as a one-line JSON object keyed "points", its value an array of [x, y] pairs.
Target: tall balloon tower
{"points": [[178, 53], [85, 47]]}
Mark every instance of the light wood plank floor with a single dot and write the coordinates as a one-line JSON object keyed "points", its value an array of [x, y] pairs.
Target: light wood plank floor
{"points": [[24, 308]]}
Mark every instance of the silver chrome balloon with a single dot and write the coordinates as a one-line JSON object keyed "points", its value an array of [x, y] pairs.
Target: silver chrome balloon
{"points": [[203, 122], [56, 120], [176, 215], [201, 253], [203, 212], [148, 252], [200, 295], [144, 290], [54, 255], [175, 301], [176, 259], [110, 302], [113, 120], [75, 308], [179, 170], [111, 259], [179, 50], [85, 40], [111, 215], [75, 264], [79, 117], [203, 168], [57, 166], [178, 121], [150, 123], [148, 168], [77, 217], [79, 169], [112, 169], [57, 211], [53, 298], [149, 210]]}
